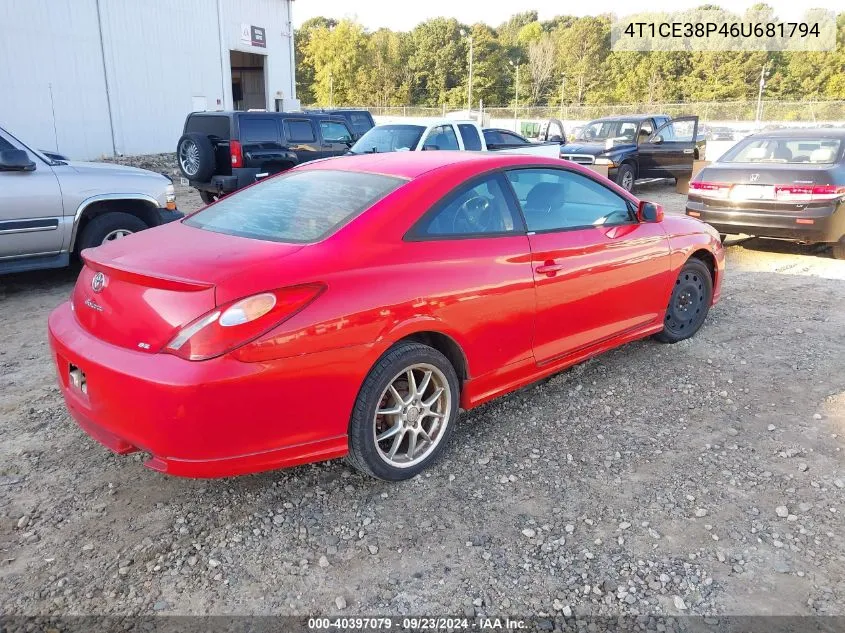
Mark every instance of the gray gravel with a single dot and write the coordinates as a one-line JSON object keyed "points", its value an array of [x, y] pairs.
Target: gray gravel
{"points": [[700, 478]]}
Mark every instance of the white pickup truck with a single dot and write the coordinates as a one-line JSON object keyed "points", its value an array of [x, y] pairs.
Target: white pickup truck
{"points": [[439, 134]]}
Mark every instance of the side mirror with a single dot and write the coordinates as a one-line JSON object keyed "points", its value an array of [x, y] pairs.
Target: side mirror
{"points": [[15, 160], [430, 147], [657, 140], [649, 212]]}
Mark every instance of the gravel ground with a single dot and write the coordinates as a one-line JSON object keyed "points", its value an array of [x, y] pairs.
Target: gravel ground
{"points": [[701, 478]]}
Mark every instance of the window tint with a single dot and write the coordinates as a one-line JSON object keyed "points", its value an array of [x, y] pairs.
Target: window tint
{"points": [[333, 131], [299, 131], [469, 134], [300, 207], [480, 208], [209, 125], [443, 136], [254, 130], [554, 199]]}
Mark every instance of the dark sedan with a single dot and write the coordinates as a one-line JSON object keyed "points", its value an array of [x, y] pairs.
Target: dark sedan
{"points": [[785, 184]]}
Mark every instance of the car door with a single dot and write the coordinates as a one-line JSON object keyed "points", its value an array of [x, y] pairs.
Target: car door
{"points": [[302, 139], [32, 218], [598, 272], [671, 149], [336, 137]]}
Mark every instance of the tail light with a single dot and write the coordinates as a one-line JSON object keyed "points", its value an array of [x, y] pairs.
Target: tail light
{"points": [[237, 153], [230, 326], [808, 193], [710, 189]]}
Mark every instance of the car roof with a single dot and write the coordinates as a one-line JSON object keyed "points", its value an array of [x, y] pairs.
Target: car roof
{"points": [[630, 117], [801, 132], [414, 164], [264, 113], [427, 121]]}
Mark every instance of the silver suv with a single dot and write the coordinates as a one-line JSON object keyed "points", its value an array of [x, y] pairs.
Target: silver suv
{"points": [[50, 209]]}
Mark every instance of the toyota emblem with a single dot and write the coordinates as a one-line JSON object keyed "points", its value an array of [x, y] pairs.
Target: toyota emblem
{"points": [[98, 282]]}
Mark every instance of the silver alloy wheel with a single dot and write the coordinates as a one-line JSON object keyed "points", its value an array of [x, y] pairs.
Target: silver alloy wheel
{"points": [[628, 181], [116, 235], [412, 415], [189, 157]]}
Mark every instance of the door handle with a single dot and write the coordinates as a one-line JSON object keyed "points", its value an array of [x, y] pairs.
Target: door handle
{"points": [[549, 269]]}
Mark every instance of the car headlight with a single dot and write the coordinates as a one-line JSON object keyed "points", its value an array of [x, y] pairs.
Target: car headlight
{"points": [[605, 161], [170, 197]]}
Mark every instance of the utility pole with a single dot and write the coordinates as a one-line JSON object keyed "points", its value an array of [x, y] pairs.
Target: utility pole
{"points": [[562, 91], [331, 90], [515, 94], [763, 74], [469, 81]]}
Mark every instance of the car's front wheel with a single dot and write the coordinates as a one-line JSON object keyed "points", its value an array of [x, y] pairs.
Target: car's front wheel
{"points": [[404, 413], [109, 227], [688, 304], [625, 177]]}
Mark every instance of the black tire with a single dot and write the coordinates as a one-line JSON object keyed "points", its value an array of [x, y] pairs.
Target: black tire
{"points": [[838, 249], [195, 155], [364, 454], [625, 177], [688, 304], [207, 197], [96, 231], [723, 237]]}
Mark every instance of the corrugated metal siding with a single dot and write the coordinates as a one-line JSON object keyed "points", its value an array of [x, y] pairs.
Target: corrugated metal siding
{"points": [[160, 56], [48, 44]]}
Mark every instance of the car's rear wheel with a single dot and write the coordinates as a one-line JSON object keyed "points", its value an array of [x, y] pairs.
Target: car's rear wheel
{"points": [[625, 177], [195, 155], [838, 249], [404, 413], [109, 227], [688, 304], [207, 197]]}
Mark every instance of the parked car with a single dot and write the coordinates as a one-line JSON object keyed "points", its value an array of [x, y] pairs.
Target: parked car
{"points": [[221, 152], [443, 134], [720, 134], [786, 184], [51, 209], [638, 146], [359, 121], [352, 305]]}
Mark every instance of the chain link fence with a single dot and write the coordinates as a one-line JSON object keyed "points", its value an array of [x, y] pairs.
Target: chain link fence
{"points": [[739, 111]]}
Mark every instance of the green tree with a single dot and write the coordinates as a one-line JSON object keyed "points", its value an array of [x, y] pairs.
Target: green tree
{"points": [[582, 49], [304, 64], [338, 53]]}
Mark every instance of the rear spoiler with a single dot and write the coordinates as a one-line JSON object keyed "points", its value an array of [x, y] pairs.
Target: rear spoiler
{"points": [[137, 277]]}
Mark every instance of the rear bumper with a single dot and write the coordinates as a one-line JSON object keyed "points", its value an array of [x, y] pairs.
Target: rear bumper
{"points": [[214, 418], [819, 224]]}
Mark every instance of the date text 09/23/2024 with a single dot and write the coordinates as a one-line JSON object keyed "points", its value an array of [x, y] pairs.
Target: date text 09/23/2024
{"points": [[415, 624]]}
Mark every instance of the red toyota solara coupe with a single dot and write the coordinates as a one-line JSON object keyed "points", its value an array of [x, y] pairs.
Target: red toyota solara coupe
{"points": [[351, 306]]}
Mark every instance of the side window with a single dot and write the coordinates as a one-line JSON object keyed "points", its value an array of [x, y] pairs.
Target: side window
{"points": [[334, 132], [511, 139], [299, 131], [360, 123], [554, 199], [479, 208], [210, 125], [679, 131], [4, 145], [469, 134], [646, 129], [257, 130], [442, 137], [492, 137]]}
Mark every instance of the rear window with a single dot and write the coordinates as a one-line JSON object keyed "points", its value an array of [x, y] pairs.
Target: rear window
{"points": [[809, 150], [360, 122], [254, 130], [208, 125], [298, 207]]}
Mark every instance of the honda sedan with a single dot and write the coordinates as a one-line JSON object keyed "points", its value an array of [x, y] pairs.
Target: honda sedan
{"points": [[351, 307]]}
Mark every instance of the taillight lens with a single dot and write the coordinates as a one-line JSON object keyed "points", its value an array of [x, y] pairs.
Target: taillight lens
{"points": [[237, 153], [808, 193], [230, 326], [710, 189]]}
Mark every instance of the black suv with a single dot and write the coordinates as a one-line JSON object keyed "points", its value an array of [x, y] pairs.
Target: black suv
{"points": [[359, 121], [221, 152]]}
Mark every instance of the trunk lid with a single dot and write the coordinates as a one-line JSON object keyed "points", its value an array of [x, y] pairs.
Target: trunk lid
{"points": [[139, 292]]}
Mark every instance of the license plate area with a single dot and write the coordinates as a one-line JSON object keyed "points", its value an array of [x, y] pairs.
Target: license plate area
{"points": [[77, 379], [753, 192]]}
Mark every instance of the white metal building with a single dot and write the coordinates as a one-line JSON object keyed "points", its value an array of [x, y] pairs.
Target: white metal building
{"points": [[90, 78]]}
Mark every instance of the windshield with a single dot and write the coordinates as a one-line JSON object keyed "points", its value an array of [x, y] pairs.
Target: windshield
{"points": [[604, 130], [819, 151], [389, 138], [298, 207]]}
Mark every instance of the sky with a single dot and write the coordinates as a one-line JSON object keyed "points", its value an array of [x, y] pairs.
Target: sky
{"points": [[403, 16]]}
